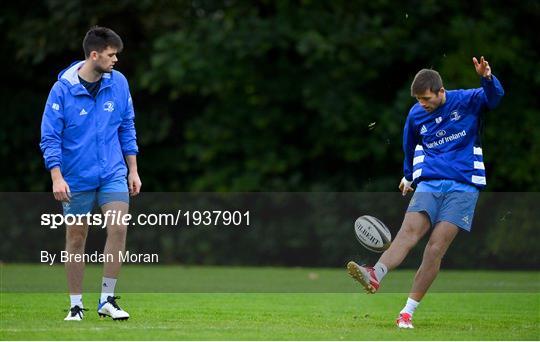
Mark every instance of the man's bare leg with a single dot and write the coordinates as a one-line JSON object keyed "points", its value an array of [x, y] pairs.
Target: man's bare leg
{"points": [[75, 243], [116, 238], [442, 236], [439, 241], [415, 225], [116, 243]]}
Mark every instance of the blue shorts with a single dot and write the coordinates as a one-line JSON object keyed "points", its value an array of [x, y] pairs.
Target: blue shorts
{"points": [[83, 202], [445, 200]]}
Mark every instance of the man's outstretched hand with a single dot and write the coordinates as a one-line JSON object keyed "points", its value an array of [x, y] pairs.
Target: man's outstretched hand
{"points": [[482, 68]]}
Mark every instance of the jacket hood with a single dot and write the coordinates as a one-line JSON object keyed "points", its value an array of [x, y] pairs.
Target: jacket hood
{"points": [[71, 76]]}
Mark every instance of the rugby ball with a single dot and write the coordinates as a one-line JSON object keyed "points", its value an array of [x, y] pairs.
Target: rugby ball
{"points": [[372, 233]]}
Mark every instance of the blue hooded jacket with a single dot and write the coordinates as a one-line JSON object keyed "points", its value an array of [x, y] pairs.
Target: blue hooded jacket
{"points": [[86, 137]]}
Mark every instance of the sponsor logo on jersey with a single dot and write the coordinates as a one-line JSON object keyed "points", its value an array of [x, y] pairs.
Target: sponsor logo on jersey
{"points": [[438, 120], [423, 130], [444, 139], [83, 112]]}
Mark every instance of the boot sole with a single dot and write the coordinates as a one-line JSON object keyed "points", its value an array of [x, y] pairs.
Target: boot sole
{"points": [[354, 271], [114, 319]]}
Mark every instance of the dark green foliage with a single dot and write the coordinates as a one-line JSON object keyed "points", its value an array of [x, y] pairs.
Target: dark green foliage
{"points": [[277, 95]]}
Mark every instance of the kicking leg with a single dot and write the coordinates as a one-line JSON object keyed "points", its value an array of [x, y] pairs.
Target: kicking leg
{"points": [[414, 227]]}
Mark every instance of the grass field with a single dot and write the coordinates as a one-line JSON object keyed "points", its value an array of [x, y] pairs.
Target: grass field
{"points": [[489, 313]]}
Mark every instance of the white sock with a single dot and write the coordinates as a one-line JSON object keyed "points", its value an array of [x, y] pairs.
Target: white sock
{"points": [[380, 270], [410, 306], [107, 288], [76, 300]]}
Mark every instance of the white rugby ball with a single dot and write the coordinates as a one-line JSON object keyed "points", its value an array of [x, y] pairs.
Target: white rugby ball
{"points": [[372, 233]]}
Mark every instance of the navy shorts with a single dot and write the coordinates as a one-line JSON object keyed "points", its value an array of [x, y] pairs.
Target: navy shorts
{"points": [[84, 202], [445, 200]]}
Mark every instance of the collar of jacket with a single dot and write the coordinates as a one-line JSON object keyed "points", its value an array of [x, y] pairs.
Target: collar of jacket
{"points": [[70, 77]]}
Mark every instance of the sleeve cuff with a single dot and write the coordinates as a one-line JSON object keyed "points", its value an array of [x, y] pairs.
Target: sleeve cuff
{"points": [[52, 165], [485, 80]]}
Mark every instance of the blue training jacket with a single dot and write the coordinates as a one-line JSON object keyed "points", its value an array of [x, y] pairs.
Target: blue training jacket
{"points": [[86, 137], [445, 144]]}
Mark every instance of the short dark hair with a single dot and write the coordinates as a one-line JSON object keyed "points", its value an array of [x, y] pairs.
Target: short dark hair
{"points": [[426, 79], [99, 38]]}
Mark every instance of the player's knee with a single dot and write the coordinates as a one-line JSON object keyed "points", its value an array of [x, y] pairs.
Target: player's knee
{"points": [[117, 232], [435, 250], [410, 233], [76, 241]]}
